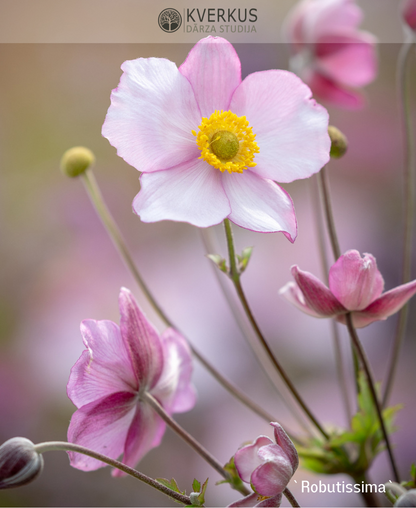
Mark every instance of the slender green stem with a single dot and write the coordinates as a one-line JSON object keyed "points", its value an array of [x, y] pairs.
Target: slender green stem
{"points": [[191, 441], [339, 364], [291, 498], [120, 244], [63, 446], [364, 362], [235, 277], [409, 207]]}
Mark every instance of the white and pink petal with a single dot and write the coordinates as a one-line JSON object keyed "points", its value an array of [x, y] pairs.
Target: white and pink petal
{"points": [[152, 114], [191, 192], [214, 71], [291, 128], [259, 204]]}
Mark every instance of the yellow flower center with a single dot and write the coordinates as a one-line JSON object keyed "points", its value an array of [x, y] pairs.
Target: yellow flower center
{"points": [[227, 142]]}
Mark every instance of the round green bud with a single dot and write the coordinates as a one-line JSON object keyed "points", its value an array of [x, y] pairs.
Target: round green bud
{"points": [[225, 145], [76, 161], [339, 142]]}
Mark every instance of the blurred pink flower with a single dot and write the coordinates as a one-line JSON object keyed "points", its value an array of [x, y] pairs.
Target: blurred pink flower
{"points": [[268, 467], [329, 53], [106, 383], [355, 285], [210, 145], [409, 13]]}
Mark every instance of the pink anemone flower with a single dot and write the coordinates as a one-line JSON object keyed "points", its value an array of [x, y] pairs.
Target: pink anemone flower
{"points": [[329, 53], [268, 467], [355, 285], [211, 146], [106, 384]]}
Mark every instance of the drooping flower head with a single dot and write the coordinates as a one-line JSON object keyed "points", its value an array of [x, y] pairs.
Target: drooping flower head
{"points": [[106, 384], [210, 145], [268, 467], [329, 52], [355, 285]]}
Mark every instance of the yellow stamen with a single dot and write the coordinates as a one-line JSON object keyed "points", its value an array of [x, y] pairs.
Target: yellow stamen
{"points": [[227, 142]]}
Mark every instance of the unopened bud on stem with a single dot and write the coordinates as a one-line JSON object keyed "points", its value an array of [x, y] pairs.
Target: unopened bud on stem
{"points": [[19, 463], [339, 142], [76, 161]]}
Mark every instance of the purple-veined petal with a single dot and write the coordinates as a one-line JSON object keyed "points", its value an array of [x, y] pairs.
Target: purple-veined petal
{"points": [[294, 295], [142, 341], [386, 305], [102, 426], [214, 71], [317, 296], [174, 389], [191, 192], [284, 441], [259, 204], [104, 368], [272, 477], [348, 59], [355, 281], [291, 128], [145, 432], [247, 459], [152, 114], [332, 92]]}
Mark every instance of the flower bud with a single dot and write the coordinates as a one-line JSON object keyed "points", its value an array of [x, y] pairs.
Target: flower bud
{"points": [[76, 161], [339, 142], [19, 463], [408, 499]]}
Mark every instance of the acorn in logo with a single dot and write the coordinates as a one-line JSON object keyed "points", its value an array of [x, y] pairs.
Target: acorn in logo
{"points": [[170, 20]]}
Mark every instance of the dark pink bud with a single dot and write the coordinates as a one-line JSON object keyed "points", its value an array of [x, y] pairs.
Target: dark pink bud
{"points": [[409, 13]]}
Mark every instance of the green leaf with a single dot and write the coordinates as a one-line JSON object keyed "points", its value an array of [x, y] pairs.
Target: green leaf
{"points": [[201, 496], [244, 259], [234, 480], [196, 486], [170, 484], [219, 261]]}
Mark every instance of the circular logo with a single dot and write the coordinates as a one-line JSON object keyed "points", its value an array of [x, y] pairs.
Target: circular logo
{"points": [[170, 20]]}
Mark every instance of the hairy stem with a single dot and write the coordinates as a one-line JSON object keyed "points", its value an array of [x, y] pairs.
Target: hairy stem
{"points": [[235, 277], [247, 332], [191, 441], [120, 244], [63, 446], [409, 208]]}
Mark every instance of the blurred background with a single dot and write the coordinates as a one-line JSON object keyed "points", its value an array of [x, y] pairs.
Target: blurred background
{"points": [[58, 267]]}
